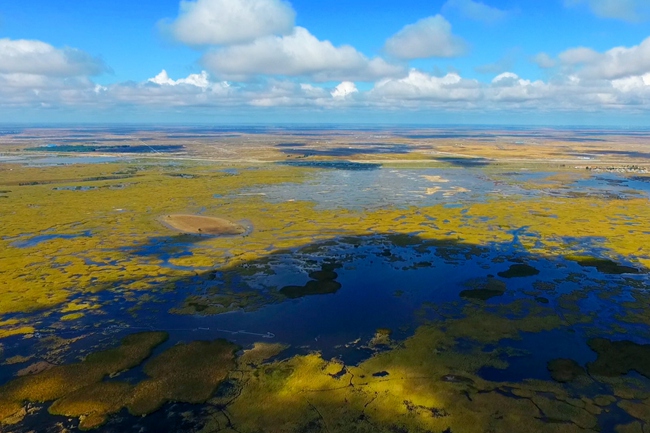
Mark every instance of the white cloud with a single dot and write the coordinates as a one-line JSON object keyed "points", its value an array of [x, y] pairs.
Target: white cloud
{"points": [[286, 94], [199, 80], [586, 80], [343, 90], [476, 11], [419, 85], [20, 90], [631, 84], [618, 62], [579, 55], [298, 54], [508, 91], [510, 87], [544, 61], [418, 90], [224, 22], [428, 37], [39, 58], [626, 10], [161, 90]]}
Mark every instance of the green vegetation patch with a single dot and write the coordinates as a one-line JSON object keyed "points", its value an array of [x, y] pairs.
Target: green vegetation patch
{"points": [[639, 410], [483, 290], [188, 373], [76, 384], [323, 283], [519, 271], [603, 265], [65, 379], [565, 370], [617, 358], [93, 403], [311, 288]]}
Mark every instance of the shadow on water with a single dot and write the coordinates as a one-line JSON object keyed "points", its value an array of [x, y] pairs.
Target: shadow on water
{"points": [[355, 279], [291, 144], [366, 148], [335, 165], [464, 162], [627, 153], [321, 296]]}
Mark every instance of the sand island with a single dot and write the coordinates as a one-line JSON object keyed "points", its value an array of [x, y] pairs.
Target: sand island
{"points": [[202, 225]]}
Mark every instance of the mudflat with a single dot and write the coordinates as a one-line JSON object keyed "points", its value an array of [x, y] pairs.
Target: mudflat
{"points": [[198, 224]]}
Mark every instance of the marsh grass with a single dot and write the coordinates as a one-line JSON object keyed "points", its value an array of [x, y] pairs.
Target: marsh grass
{"points": [[188, 373]]}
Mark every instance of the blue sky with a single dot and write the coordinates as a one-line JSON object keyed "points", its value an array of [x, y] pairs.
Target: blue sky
{"points": [[261, 61]]}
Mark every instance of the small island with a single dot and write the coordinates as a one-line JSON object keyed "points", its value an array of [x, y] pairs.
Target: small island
{"points": [[202, 225]]}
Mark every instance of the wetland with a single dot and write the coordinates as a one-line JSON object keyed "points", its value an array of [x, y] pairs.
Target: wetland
{"points": [[341, 280]]}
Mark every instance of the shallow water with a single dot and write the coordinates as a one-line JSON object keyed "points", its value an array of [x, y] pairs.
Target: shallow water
{"points": [[386, 187]]}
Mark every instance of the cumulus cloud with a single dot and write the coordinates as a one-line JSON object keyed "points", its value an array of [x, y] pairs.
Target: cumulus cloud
{"points": [[168, 96], [39, 58], [224, 22], [510, 87], [544, 61], [626, 10], [419, 85], [631, 84], [30, 90], [298, 54], [509, 91], [616, 63], [476, 11], [418, 90], [428, 37], [579, 55], [278, 93], [343, 90], [199, 80], [584, 80]]}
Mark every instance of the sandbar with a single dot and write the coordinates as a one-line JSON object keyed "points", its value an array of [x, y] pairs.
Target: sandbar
{"points": [[197, 224]]}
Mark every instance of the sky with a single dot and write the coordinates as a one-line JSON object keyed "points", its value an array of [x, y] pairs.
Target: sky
{"points": [[518, 62]]}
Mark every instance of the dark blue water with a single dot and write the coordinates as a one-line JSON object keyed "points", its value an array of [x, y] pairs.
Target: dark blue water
{"points": [[36, 240]]}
